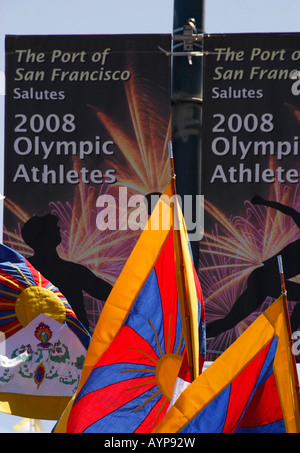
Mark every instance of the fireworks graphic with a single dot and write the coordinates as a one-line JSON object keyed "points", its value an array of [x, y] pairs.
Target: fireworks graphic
{"points": [[143, 165], [234, 248]]}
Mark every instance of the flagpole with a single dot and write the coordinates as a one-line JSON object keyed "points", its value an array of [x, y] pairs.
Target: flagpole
{"points": [[188, 340], [287, 316]]}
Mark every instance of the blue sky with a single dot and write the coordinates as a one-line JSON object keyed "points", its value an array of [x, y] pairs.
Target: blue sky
{"points": [[141, 16], [131, 16]]}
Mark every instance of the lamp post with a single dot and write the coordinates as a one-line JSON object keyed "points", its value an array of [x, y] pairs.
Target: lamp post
{"points": [[187, 100]]}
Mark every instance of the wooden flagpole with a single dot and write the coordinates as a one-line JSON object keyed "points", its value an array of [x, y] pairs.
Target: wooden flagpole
{"points": [[188, 340]]}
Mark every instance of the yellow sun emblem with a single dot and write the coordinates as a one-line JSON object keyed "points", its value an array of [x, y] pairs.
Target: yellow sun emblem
{"points": [[165, 373]]}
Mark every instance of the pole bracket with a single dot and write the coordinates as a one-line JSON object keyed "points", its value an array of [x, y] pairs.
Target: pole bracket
{"points": [[188, 40]]}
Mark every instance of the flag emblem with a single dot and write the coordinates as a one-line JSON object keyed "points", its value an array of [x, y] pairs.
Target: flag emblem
{"points": [[41, 359], [43, 333], [39, 375]]}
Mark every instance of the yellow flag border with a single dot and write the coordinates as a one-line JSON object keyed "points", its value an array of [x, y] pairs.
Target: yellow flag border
{"points": [[33, 406], [191, 294]]}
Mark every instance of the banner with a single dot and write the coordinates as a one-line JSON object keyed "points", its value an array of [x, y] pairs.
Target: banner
{"points": [[86, 133], [250, 181]]}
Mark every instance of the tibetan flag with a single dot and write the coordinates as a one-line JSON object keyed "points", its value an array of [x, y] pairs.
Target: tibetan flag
{"points": [[251, 388], [137, 347], [42, 343]]}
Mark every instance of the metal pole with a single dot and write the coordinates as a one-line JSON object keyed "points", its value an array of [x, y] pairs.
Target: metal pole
{"points": [[188, 25]]}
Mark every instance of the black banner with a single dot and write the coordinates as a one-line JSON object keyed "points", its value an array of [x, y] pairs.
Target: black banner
{"points": [[251, 129], [87, 125]]}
